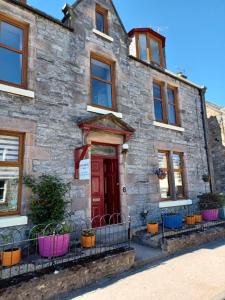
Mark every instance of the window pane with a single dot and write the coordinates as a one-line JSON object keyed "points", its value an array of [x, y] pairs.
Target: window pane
{"points": [[158, 110], [99, 22], [171, 97], [176, 161], [10, 66], [10, 176], [172, 114], [11, 35], [103, 150], [157, 91], [155, 52], [164, 188], [143, 47], [101, 93], [162, 158], [9, 148], [101, 70], [178, 184]]}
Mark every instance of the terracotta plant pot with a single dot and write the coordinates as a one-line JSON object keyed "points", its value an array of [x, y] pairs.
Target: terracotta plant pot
{"points": [[190, 220], [11, 257], [153, 228], [210, 214], [198, 218], [88, 241], [53, 245]]}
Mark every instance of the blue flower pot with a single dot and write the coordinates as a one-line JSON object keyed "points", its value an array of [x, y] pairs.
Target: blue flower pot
{"points": [[173, 221], [222, 212]]}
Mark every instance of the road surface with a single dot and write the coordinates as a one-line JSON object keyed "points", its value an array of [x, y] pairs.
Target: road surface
{"points": [[196, 275]]}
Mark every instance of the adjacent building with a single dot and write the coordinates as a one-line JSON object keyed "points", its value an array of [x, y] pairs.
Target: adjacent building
{"points": [[84, 88], [216, 125]]}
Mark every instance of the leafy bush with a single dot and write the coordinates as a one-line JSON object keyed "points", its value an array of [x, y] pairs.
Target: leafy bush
{"points": [[48, 200], [210, 201]]}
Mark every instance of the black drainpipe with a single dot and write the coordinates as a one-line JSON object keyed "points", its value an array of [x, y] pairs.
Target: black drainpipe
{"points": [[205, 129]]}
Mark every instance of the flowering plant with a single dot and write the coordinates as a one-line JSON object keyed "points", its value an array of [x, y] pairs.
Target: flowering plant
{"points": [[161, 173]]}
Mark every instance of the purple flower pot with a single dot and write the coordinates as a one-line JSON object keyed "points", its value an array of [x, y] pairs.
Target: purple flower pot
{"points": [[53, 245], [210, 214]]}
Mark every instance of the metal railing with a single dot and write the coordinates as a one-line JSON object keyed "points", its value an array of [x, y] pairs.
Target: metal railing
{"points": [[189, 219], [55, 245]]}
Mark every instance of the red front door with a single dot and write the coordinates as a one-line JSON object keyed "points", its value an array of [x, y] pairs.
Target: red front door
{"points": [[97, 188], [105, 189]]}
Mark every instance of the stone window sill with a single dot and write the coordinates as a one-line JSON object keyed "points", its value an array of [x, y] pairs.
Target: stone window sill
{"points": [[166, 204], [167, 126], [103, 111], [103, 35], [10, 221], [16, 91]]}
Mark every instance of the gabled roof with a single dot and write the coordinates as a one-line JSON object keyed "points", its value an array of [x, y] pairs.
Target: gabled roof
{"points": [[108, 123], [116, 12]]}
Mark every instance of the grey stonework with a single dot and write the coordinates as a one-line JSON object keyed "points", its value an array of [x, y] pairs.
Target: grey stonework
{"points": [[59, 74], [216, 125]]}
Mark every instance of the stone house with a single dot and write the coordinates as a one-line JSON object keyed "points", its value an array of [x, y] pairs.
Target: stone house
{"points": [[216, 126], [85, 86]]}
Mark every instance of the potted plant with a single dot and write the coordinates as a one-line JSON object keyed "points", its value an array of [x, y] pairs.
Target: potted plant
{"points": [[47, 207], [172, 220], [161, 173], [209, 204], [152, 227], [198, 218], [190, 220], [10, 255], [205, 177], [222, 209], [88, 238]]}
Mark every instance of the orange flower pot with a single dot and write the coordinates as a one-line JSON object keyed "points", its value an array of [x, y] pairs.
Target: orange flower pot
{"points": [[88, 241], [190, 220], [11, 257], [153, 228], [198, 218]]}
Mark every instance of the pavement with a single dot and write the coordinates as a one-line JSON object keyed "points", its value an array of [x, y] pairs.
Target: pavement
{"points": [[196, 274]]}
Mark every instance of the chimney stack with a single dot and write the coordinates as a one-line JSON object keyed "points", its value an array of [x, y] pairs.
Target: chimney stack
{"points": [[22, 1]]}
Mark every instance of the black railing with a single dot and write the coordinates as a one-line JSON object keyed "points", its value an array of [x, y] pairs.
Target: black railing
{"points": [[52, 246], [181, 220]]}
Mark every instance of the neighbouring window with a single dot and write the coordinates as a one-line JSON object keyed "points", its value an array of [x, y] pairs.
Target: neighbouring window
{"points": [[13, 52], [172, 111], [149, 48], [102, 82], [172, 187], [158, 102], [155, 51], [166, 109], [143, 47], [11, 164], [101, 19]]}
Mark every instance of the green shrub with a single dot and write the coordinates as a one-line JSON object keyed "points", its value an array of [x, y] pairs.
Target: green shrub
{"points": [[210, 201], [48, 199]]}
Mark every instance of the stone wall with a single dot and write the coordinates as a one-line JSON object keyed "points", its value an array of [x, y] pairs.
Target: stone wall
{"points": [[53, 285], [173, 245], [216, 125], [59, 74]]}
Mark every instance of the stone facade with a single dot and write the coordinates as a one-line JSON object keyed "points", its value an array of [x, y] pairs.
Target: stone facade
{"points": [[59, 75], [216, 125]]}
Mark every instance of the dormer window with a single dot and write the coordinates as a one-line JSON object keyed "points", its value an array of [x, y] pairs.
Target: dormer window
{"points": [[149, 46], [101, 19]]}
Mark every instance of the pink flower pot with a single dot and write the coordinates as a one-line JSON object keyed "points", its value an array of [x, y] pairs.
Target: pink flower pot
{"points": [[210, 214], [53, 245]]}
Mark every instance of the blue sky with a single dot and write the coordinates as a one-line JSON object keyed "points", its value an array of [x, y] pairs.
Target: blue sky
{"points": [[195, 32]]}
